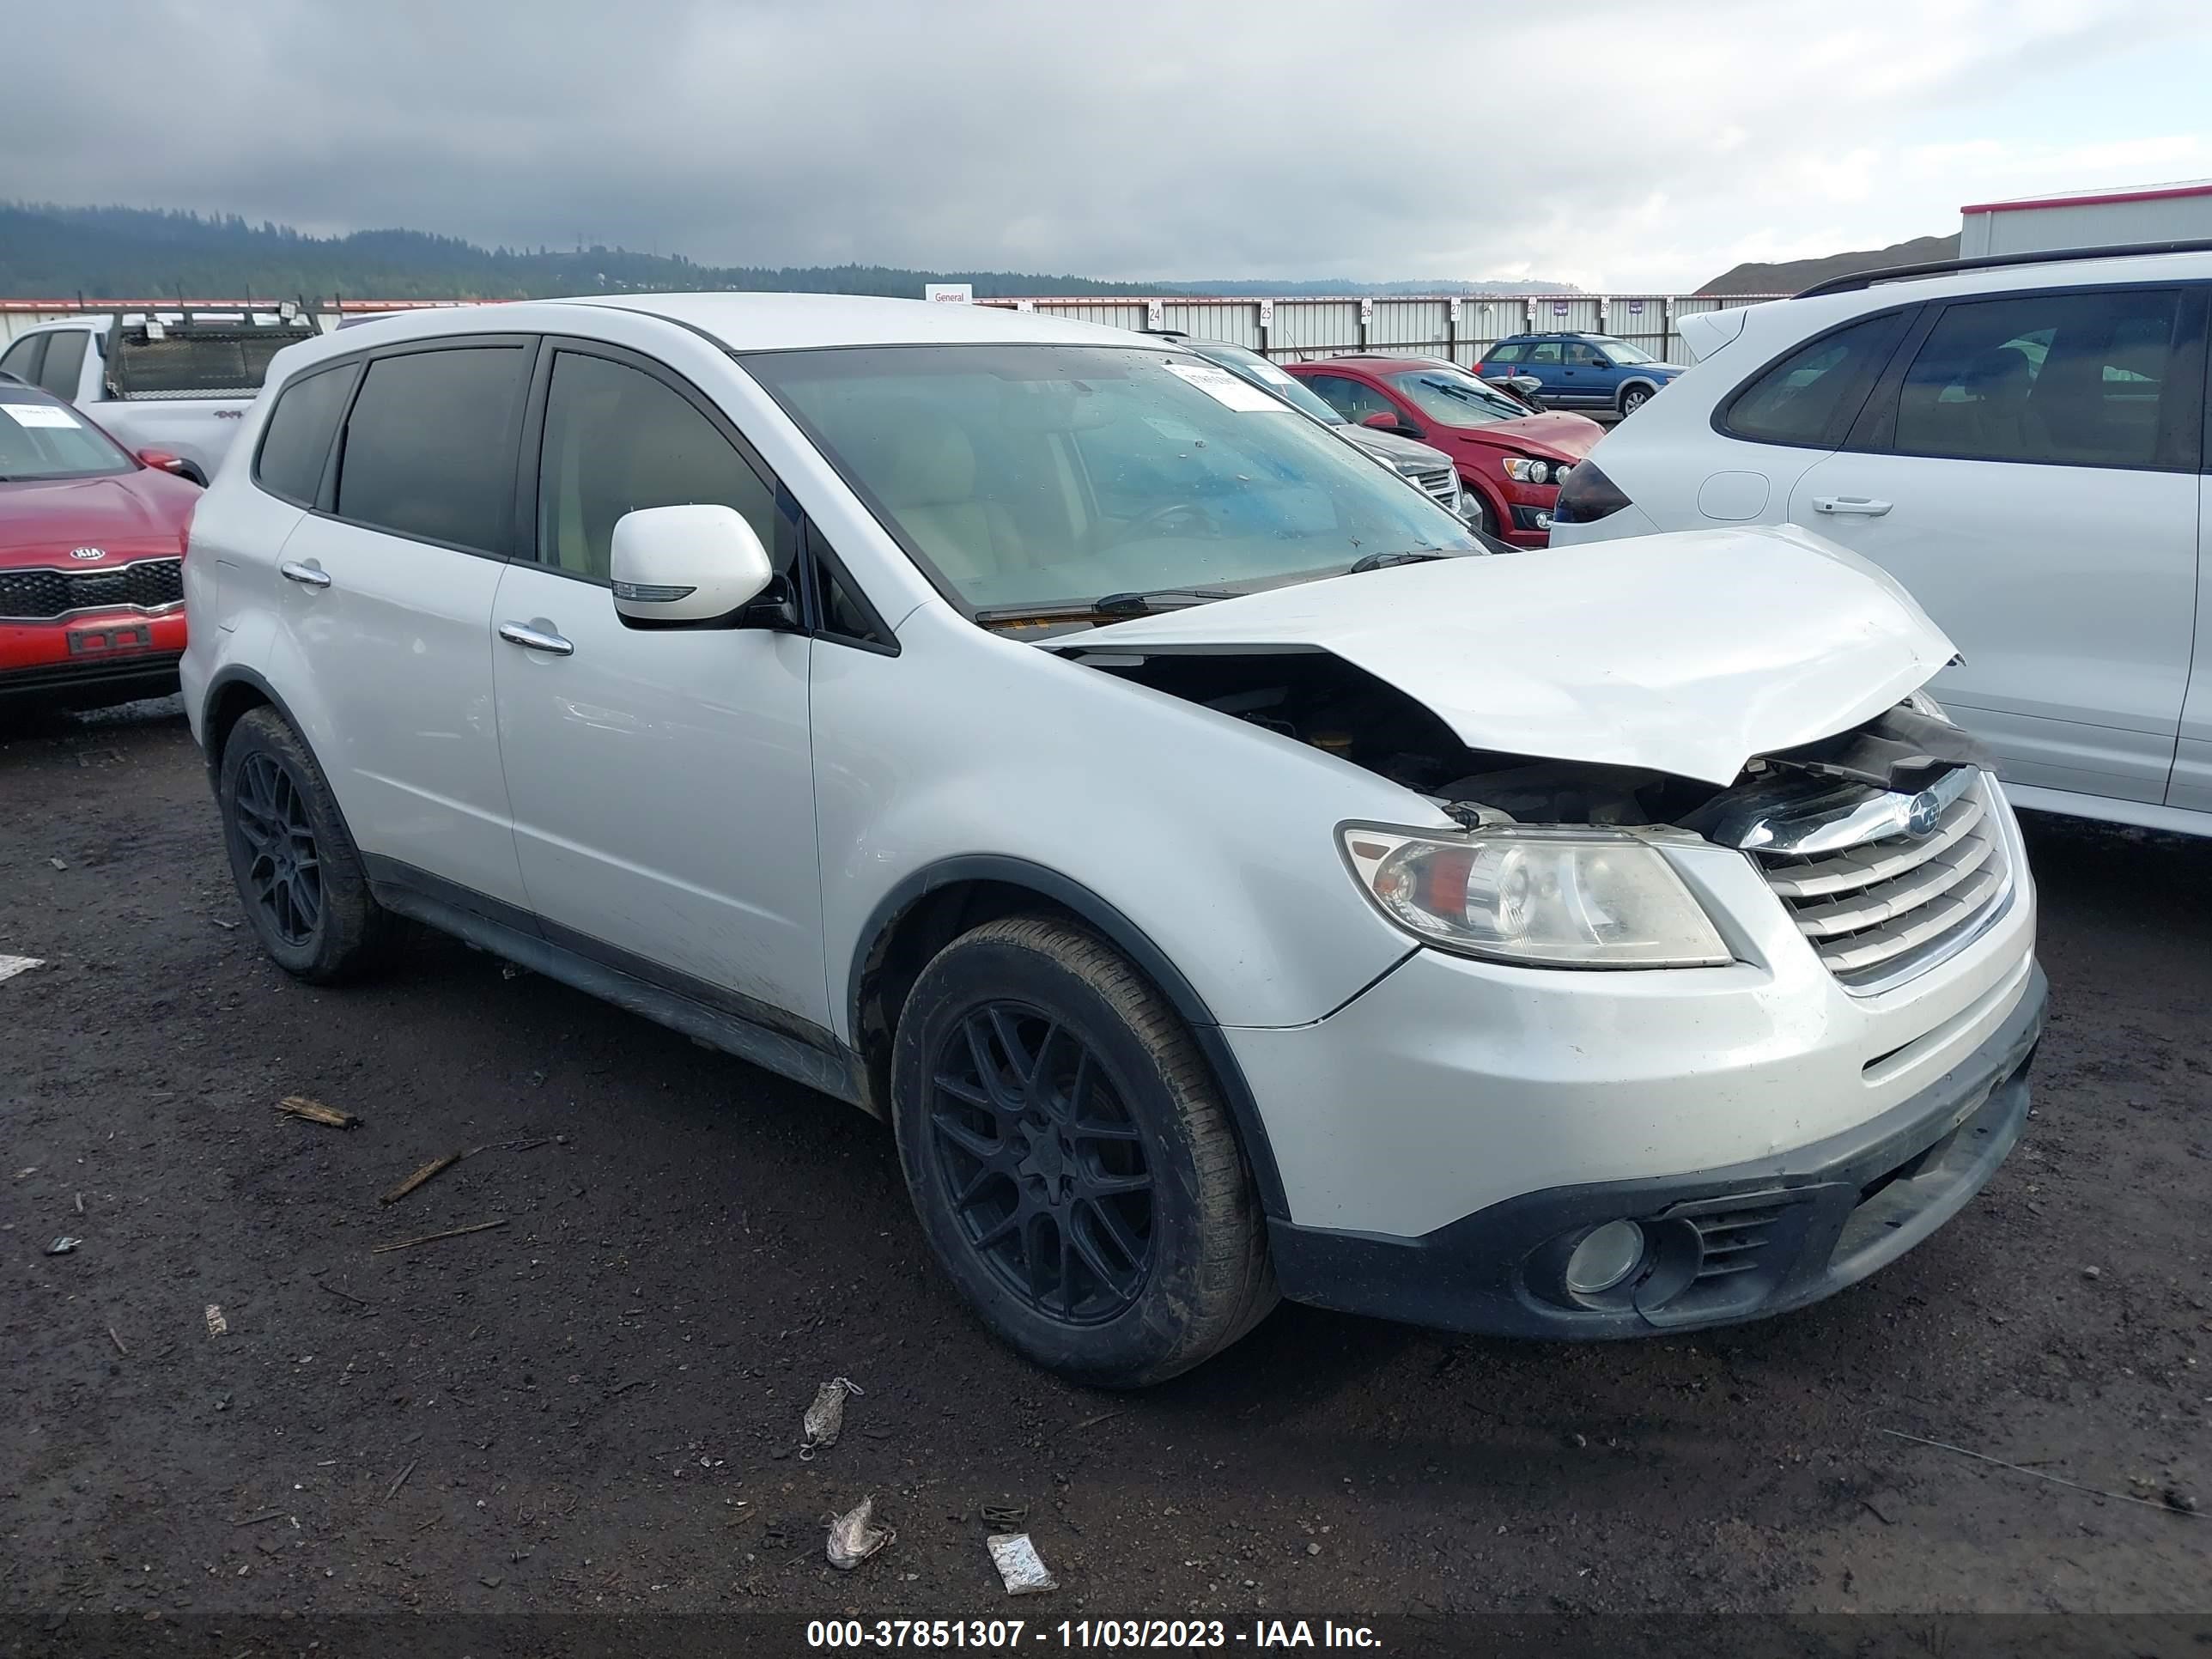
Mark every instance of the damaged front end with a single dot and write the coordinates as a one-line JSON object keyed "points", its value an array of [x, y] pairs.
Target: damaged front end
{"points": [[1881, 840]]}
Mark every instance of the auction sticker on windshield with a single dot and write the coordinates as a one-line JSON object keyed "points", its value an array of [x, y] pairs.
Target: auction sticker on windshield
{"points": [[1226, 389], [40, 415]]}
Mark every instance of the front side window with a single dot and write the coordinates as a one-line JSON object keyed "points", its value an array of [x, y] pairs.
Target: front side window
{"points": [[40, 439], [1036, 477], [64, 363], [1812, 396], [1625, 355], [617, 439], [1355, 400], [1456, 397], [2060, 379], [428, 451], [297, 441], [1582, 356]]}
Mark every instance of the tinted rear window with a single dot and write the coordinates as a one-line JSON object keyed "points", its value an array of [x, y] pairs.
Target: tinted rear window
{"points": [[298, 439], [1812, 396], [428, 449], [1506, 354]]}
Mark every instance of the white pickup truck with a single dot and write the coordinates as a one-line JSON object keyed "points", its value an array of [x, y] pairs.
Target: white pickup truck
{"points": [[172, 383]]}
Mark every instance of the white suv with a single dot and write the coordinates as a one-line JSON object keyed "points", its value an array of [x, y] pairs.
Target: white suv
{"points": [[1224, 876], [2022, 442]]}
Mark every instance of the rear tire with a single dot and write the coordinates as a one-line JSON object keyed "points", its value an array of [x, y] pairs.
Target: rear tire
{"points": [[1073, 1163], [299, 874]]}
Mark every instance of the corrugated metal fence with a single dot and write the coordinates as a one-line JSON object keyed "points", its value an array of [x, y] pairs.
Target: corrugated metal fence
{"points": [[1460, 327]]}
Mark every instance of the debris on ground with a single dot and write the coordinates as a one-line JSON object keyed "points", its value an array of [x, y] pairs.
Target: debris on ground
{"points": [[432, 1239], [2177, 1499], [58, 864], [1019, 1565], [1004, 1516], [436, 1166], [2039, 1474], [854, 1536], [118, 1341], [825, 1418], [217, 1323], [63, 1245], [11, 966], [315, 1112]]}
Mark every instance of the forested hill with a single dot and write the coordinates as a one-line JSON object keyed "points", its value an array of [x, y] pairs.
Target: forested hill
{"points": [[132, 253]]}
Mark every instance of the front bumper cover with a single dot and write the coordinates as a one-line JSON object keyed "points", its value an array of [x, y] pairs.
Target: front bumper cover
{"points": [[1727, 1244]]}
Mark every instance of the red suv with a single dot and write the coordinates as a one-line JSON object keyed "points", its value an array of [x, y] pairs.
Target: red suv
{"points": [[92, 543], [1511, 461]]}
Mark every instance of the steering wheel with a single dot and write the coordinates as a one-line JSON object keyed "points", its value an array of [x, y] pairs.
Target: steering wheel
{"points": [[1157, 522]]}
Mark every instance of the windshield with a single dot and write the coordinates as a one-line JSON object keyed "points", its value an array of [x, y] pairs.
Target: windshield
{"points": [[40, 439], [1040, 478], [1622, 353], [1258, 370], [1457, 398]]}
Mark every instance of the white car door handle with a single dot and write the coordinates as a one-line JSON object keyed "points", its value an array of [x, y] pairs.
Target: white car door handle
{"points": [[536, 639], [307, 575], [1864, 506]]}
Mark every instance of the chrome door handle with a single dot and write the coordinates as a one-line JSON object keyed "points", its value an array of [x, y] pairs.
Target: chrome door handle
{"points": [[536, 639], [1865, 506], [307, 575]]}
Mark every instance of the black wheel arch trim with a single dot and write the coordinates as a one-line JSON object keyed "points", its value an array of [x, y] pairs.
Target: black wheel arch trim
{"points": [[1125, 936]]}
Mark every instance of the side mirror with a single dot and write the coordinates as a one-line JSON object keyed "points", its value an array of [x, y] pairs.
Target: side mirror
{"points": [[164, 461], [677, 565], [1383, 420]]}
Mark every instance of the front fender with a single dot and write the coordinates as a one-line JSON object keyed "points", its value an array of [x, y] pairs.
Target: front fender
{"points": [[1212, 840]]}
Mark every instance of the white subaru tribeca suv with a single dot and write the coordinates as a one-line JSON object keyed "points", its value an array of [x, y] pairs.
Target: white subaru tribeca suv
{"points": [[1226, 879], [2020, 441]]}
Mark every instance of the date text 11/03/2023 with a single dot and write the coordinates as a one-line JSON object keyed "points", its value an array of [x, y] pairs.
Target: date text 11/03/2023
{"points": [[1016, 1634]]}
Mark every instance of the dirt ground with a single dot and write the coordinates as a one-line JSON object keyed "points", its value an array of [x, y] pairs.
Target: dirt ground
{"points": [[595, 1406]]}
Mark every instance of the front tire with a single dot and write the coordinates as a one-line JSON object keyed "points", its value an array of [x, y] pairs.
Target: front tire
{"points": [[1633, 398], [1073, 1166], [299, 874]]}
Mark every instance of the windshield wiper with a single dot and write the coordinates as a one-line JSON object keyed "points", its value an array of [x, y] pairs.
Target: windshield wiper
{"points": [[1379, 560], [1114, 607], [1146, 602]]}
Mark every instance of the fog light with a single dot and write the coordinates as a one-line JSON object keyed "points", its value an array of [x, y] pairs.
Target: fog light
{"points": [[1606, 1256]]}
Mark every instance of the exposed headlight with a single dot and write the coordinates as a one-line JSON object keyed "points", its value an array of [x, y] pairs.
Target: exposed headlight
{"points": [[1525, 469], [1558, 898]]}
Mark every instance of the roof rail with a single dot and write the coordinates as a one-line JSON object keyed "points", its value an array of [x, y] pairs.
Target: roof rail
{"points": [[1995, 262]]}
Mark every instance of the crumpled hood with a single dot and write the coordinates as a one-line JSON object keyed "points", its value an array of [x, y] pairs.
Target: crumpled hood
{"points": [[1686, 654]]}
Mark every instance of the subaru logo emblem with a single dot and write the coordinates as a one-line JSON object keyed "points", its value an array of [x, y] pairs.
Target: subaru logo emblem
{"points": [[87, 552], [1922, 814]]}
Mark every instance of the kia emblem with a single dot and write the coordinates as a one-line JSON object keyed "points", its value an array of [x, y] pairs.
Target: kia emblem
{"points": [[1922, 814], [87, 552]]}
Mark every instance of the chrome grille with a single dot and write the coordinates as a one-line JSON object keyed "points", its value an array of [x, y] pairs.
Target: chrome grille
{"points": [[1440, 484], [1883, 909], [43, 595]]}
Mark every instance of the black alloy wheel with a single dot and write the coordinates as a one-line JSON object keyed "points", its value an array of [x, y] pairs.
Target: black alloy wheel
{"points": [[1042, 1162], [282, 866]]}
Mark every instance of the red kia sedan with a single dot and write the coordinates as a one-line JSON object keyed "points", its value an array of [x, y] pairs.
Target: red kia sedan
{"points": [[92, 545], [1510, 460]]}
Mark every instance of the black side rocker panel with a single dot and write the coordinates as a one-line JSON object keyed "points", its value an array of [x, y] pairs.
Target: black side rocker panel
{"points": [[713, 1016]]}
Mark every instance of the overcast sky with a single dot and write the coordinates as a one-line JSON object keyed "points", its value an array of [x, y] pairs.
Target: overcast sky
{"points": [[1642, 145]]}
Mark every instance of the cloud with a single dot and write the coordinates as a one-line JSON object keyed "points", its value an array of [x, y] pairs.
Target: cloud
{"points": [[1301, 138]]}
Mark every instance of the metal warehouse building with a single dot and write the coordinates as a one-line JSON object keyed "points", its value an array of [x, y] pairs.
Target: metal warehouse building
{"points": [[2087, 218]]}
